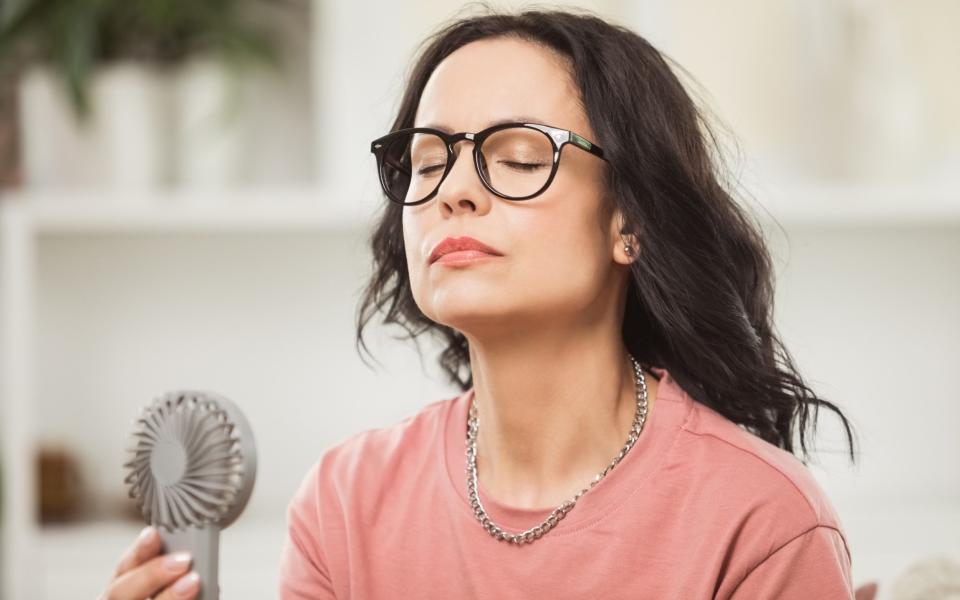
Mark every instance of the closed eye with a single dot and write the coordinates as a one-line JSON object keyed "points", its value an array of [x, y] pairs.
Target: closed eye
{"points": [[429, 169], [523, 166]]}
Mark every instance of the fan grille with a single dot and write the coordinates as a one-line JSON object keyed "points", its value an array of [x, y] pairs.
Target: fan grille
{"points": [[187, 467]]}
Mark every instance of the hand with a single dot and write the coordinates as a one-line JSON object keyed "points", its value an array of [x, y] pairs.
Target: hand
{"points": [[142, 574]]}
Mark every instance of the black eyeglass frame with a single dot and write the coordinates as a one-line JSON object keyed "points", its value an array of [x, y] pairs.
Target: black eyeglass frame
{"points": [[558, 138]]}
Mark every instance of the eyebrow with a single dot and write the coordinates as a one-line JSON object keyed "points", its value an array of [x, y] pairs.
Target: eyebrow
{"points": [[513, 119]]}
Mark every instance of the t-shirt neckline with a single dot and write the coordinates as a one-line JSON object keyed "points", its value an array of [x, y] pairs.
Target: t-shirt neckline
{"points": [[630, 476]]}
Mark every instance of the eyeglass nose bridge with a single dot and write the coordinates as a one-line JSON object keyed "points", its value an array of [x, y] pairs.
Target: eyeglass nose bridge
{"points": [[452, 141], [457, 137]]}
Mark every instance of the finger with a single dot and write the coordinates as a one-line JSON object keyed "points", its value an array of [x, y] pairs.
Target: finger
{"points": [[185, 588], [150, 577], [147, 545]]}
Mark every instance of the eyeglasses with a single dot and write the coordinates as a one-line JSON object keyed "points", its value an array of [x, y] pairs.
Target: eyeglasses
{"points": [[516, 161]]}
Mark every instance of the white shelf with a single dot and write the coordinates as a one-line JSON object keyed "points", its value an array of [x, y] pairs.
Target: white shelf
{"points": [[846, 204], [165, 211], [310, 208], [27, 216]]}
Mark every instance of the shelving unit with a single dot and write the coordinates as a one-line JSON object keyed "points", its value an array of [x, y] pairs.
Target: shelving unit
{"points": [[26, 218]]}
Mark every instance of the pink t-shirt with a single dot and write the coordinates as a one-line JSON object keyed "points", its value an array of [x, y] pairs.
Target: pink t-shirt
{"points": [[699, 508]]}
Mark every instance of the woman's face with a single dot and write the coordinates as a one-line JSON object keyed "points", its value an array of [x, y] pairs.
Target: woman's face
{"points": [[562, 255]]}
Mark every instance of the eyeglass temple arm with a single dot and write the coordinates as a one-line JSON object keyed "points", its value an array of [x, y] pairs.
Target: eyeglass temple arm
{"points": [[586, 145]]}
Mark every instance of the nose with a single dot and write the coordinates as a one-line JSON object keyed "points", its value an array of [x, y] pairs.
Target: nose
{"points": [[461, 190]]}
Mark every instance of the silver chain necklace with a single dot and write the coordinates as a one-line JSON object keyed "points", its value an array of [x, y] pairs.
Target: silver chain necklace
{"points": [[534, 533]]}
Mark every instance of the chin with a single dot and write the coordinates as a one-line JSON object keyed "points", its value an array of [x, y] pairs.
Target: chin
{"points": [[467, 316]]}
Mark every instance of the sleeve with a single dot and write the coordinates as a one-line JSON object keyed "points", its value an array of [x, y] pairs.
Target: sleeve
{"points": [[303, 565], [814, 564]]}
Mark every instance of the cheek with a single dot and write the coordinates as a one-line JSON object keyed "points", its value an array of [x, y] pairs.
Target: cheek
{"points": [[434, 291], [561, 256], [412, 243]]}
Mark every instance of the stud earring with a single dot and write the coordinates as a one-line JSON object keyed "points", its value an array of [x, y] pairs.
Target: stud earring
{"points": [[628, 249]]}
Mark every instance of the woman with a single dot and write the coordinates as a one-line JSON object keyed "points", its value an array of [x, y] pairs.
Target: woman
{"points": [[559, 266], [626, 422]]}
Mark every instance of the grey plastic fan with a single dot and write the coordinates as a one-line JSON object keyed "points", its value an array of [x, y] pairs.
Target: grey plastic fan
{"points": [[192, 473]]}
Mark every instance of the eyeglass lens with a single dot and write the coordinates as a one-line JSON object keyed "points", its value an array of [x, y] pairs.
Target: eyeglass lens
{"points": [[515, 162]]}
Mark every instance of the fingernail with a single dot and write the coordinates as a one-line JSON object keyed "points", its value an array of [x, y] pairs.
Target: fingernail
{"points": [[186, 584], [177, 561], [145, 534]]}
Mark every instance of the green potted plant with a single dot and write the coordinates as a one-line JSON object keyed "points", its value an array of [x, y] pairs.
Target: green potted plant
{"points": [[96, 76]]}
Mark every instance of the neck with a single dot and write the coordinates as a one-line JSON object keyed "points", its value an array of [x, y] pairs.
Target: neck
{"points": [[553, 410]]}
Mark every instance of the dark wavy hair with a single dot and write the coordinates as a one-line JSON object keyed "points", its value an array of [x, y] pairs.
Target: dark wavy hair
{"points": [[700, 299]]}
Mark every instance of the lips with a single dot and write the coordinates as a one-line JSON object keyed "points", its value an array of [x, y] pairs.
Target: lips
{"points": [[452, 244]]}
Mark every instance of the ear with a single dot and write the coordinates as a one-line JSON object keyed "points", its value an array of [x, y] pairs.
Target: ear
{"points": [[621, 239]]}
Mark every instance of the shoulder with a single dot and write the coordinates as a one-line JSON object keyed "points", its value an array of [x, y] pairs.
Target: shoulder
{"points": [[381, 447], [365, 460], [344, 489], [762, 486]]}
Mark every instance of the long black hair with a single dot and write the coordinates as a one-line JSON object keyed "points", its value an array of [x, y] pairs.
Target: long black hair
{"points": [[700, 299]]}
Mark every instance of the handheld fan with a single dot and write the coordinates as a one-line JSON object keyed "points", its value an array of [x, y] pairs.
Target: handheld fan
{"points": [[193, 468]]}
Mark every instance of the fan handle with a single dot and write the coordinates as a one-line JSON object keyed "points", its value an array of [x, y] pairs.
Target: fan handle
{"points": [[203, 543]]}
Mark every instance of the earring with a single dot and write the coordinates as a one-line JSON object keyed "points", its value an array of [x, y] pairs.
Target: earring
{"points": [[628, 249]]}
